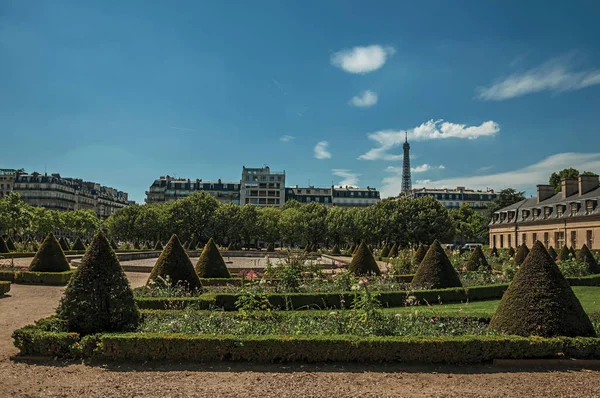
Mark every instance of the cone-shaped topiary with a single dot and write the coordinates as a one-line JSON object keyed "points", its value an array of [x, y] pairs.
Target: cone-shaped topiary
{"points": [[113, 244], [585, 255], [33, 245], [363, 262], [353, 249], [78, 245], [211, 264], [494, 252], [158, 246], [420, 254], [477, 261], [64, 244], [385, 251], [552, 253], [271, 247], [229, 246], [521, 254], [98, 297], [393, 251], [3, 247], [174, 263], [572, 252], [511, 252], [50, 257], [10, 244], [136, 245], [540, 302], [564, 253], [336, 250], [436, 271]]}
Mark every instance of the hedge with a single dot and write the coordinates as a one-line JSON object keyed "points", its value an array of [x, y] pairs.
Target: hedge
{"points": [[34, 341], [590, 280], [298, 301], [36, 278], [67, 253], [4, 287]]}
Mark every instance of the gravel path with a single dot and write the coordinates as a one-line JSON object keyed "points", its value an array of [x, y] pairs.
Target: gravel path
{"points": [[56, 379]]}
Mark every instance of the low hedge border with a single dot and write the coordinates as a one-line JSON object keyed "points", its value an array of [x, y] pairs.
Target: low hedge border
{"points": [[4, 287], [297, 301], [590, 280], [34, 341], [37, 278], [67, 253]]}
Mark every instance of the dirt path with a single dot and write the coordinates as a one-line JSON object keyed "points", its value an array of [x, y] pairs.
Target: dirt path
{"points": [[56, 379]]}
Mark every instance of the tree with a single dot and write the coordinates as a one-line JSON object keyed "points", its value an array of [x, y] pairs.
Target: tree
{"points": [[436, 271], [227, 219], [429, 221], [471, 226], [540, 302], [248, 223], [289, 225], [193, 216], [175, 265], [268, 224], [505, 198], [98, 297], [556, 178], [313, 227], [15, 214]]}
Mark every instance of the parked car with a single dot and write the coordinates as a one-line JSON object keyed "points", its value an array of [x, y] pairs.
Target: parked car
{"points": [[471, 246]]}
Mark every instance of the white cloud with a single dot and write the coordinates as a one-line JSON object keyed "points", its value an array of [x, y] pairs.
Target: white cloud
{"points": [[394, 169], [525, 178], [362, 59], [555, 75], [366, 99], [425, 167], [349, 179], [430, 130], [485, 168], [287, 138], [321, 151]]}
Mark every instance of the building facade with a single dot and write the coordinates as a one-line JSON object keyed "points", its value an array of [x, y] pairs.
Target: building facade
{"points": [[354, 197], [570, 217], [310, 194], [169, 189], [7, 180], [262, 187], [58, 193], [454, 198]]}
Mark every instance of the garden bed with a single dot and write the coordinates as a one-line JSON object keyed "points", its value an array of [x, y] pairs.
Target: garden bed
{"points": [[36, 278]]}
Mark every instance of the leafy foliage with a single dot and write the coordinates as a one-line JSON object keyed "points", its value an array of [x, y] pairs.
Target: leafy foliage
{"points": [[3, 246], [477, 261], [363, 262], [174, 265], [564, 253], [78, 245], [50, 257], [393, 251], [586, 256], [420, 254], [211, 263], [436, 271]]}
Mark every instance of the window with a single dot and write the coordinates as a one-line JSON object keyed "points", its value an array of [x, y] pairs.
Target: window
{"points": [[574, 239], [546, 239], [589, 206], [559, 239], [574, 208], [524, 239], [494, 238], [559, 210], [589, 238], [508, 239], [534, 238]]}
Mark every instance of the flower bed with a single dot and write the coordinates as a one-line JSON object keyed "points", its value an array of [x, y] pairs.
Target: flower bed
{"points": [[36, 278]]}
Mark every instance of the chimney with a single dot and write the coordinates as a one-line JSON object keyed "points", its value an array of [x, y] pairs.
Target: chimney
{"points": [[544, 192], [587, 183], [568, 187]]}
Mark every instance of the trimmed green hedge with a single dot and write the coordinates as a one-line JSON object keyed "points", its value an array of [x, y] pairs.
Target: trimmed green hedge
{"points": [[36, 278], [590, 280], [67, 253], [34, 341], [4, 287], [297, 301]]}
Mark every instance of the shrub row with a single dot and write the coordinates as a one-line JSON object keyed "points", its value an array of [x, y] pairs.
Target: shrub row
{"points": [[33, 341], [299, 301], [4, 287], [36, 278], [590, 280], [67, 253]]}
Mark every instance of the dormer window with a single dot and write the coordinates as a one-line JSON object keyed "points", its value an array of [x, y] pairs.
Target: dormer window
{"points": [[525, 214], [511, 215], [559, 210], [574, 208], [495, 217], [547, 211], [590, 206], [502, 217]]}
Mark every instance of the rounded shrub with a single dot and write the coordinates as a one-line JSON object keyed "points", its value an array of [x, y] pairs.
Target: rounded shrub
{"points": [[420, 254], [540, 302], [64, 244], [211, 263], [158, 246], [585, 255], [477, 261], [436, 270], [11, 244], [271, 248], [393, 251], [564, 253], [98, 297], [49, 257], [552, 253], [3, 246], [521, 254], [363, 262], [174, 264], [78, 245], [385, 251], [336, 250]]}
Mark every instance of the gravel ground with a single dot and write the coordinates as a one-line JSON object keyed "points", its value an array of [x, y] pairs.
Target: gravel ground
{"points": [[64, 379]]}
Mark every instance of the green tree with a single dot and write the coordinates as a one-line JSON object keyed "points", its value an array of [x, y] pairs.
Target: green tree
{"points": [[193, 216], [227, 219], [471, 226], [15, 214], [248, 223], [268, 224], [556, 178], [505, 198]]}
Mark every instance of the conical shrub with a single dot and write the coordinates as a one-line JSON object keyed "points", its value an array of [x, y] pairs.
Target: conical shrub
{"points": [[353, 249], [174, 264], [436, 270], [271, 248], [385, 251], [521, 254], [113, 244], [511, 251], [136, 245], [336, 250], [477, 261], [211, 263], [3, 246], [540, 302], [572, 252], [33, 245], [98, 297], [420, 254], [552, 253], [363, 262], [229, 246], [564, 253], [78, 245], [158, 246], [494, 252], [11, 244], [585, 255], [50, 257], [393, 251], [64, 244]]}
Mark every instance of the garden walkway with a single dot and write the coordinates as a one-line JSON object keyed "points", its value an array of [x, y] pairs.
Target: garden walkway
{"points": [[57, 379]]}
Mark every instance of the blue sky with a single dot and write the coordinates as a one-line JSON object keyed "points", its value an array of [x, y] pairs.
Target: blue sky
{"points": [[498, 93]]}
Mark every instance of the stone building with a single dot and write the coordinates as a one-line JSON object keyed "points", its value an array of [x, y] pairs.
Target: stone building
{"points": [[169, 189], [454, 198], [570, 217]]}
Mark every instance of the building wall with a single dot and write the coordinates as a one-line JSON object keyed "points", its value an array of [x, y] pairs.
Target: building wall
{"points": [[7, 179], [262, 187], [454, 198]]}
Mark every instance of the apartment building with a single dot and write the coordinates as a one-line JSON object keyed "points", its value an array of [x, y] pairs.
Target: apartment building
{"points": [[570, 217], [309, 194], [262, 187], [354, 197], [58, 193], [454, 198], [169, 189], [7, 179]]}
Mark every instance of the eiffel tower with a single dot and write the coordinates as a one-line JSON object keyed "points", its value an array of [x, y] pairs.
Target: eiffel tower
{"points": [[406, 184]]}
